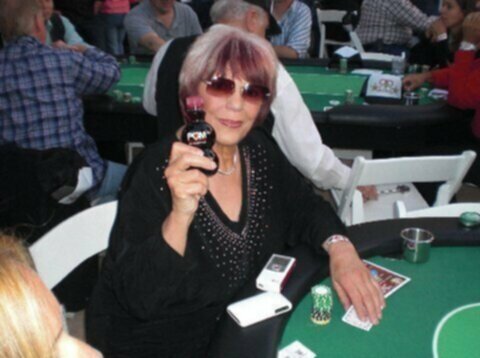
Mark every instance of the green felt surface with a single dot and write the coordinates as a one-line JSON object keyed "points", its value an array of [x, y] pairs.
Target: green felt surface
{"points": [[451, 278], [458, 336], [320, 87]]}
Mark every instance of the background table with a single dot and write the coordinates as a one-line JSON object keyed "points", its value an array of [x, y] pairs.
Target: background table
{"points": [[371, 239], [377, 127]]}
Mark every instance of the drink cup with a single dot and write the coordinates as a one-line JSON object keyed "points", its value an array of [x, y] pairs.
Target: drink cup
{"points": [[411, 98], [398, 65], [416, 244]]}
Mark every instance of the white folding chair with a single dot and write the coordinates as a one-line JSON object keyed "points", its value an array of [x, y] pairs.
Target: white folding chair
{"points": [[73, 241], [335, 16], [449, 210], [387, 174]]}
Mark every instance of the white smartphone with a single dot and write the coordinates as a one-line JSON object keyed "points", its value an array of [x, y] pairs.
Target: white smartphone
{"points": [[275, 274], [258, 308]]}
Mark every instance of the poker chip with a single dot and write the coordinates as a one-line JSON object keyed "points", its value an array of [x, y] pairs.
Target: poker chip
{"points": [[334, 102], [322, 304]]}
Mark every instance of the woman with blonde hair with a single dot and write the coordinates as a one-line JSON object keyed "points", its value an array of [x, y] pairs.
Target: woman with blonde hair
{"points": [[31, 324]]}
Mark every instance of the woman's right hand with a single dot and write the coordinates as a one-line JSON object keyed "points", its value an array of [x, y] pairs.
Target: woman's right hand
{"points": [[413, 81], [187, 185]]}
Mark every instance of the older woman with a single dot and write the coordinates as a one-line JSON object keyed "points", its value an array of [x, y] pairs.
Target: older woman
{"points": [[30, 316], [184, 243]]}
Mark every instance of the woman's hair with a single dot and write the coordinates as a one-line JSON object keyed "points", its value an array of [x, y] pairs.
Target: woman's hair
{"points": [[223, 48], [24, 331], [17, 17]]}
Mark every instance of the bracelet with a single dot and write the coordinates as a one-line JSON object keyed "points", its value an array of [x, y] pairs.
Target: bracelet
{"points": [[332, 240], [467, 46], [442, 37]]}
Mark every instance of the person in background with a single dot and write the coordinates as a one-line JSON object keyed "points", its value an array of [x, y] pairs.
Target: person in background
{"points": [[295, 20], [31, 319], [48, 113], [83, 15], [112, 14], [388, 26], [444, 35], [60, 31], [183, 243], [153, 22]]}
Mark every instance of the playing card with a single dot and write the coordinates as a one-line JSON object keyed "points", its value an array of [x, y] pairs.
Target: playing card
{"points": [[388, 280], [352, 318], [296, 350]]}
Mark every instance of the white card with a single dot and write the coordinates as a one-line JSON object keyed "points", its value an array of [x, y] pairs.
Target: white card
{"points": [[296, 350], [351, 318]]}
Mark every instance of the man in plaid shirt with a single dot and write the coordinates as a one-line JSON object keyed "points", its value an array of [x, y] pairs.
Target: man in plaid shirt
{"points": [[41, 91], [387, 25]]}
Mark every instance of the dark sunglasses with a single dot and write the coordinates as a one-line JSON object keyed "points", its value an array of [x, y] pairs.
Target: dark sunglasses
{"points": [[220, 86]]}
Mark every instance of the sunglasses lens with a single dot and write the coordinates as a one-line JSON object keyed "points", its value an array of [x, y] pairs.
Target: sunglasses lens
{"points": [[220, 86], [255, 92]]}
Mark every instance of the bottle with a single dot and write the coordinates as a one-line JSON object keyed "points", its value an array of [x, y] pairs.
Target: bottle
{"points": [[197, 132]]}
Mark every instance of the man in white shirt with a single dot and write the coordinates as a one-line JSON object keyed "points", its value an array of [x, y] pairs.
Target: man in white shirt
{"points": [[293, 129]]}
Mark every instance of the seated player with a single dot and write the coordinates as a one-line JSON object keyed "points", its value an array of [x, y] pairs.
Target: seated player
{"points": [[153, 22], [293, 127], [444, 35], [48, 111], [387, 26], [462, 78], [31, 322], [184, 243], [60, 31], [295, 20]]}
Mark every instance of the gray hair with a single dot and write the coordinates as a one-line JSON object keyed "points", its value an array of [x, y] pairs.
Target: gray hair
{"points": [[228, 10], [224, 48], [17, 17]]}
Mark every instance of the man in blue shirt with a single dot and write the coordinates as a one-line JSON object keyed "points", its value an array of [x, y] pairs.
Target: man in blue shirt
{"points": [[41, 91], [295, 20]]}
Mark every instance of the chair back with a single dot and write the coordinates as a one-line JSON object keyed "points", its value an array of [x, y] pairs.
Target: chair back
{"points": [[335, 16], [442, 211], [448, 169], [73, 241]]}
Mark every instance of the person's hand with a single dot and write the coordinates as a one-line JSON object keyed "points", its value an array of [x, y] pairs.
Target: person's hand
{"points": [[436, 29], [368, 192], [187, 185], [471, 28], [353, 282], [62, 45], [415, 80]]}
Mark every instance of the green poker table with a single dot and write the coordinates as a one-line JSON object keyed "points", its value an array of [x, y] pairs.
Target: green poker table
{"points": [[436, 314], [395, 127]]}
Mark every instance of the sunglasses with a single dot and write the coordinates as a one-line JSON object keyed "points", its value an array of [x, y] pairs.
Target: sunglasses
{"points": [[223, 87]]}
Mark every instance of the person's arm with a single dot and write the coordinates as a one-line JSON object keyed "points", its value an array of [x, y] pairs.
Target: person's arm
{"points": [[295, 132], [141, 34], [298, 37], [464, 86], [312, 220], [407, 14], [149, 102], [93, 71], [149, 264]]}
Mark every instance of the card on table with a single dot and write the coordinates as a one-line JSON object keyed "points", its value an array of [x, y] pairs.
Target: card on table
{"points": [[389, 282], [296, 350]]}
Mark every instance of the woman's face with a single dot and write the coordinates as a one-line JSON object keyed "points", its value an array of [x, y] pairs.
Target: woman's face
{"points": [[63, 344], [232, 115], [451, 13]]}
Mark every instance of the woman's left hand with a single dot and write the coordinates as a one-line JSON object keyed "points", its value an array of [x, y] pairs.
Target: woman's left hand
{"points": [[353, 282]]}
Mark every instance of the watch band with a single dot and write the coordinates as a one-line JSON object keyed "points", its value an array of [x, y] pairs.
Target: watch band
{"points": [[333, 239]]}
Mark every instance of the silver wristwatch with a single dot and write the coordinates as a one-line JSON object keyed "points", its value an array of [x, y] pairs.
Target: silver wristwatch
{"points": [[333, 239]]}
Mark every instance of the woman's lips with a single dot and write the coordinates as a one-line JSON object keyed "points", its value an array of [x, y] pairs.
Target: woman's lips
{"points": [[230, 124]]}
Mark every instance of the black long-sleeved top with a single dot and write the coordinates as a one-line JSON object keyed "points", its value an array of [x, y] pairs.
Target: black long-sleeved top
{"points": [[158, 303]]}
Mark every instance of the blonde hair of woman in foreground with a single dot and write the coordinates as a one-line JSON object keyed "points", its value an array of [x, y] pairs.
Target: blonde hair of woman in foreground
{"points": [[31, 323]]}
